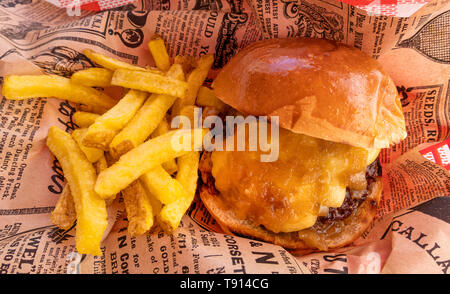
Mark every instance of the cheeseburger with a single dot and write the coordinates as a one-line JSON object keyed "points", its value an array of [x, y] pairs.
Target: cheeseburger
{"points": [[336, 109]]}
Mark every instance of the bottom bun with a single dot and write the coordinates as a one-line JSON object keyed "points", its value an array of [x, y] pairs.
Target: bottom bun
{"points": [[321, 237]]}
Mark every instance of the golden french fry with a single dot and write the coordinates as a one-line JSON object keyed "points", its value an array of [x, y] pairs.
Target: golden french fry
{"points": [[101, 164], [187, 175], [187, 62], [149, 82], [188, 171], [142, 124], [80, 174], [159, 53], [91, 109], [112, 63], [93, 77], [156, 207], [161, 185], [176, 72], [107, 126], [138, 208], [170, 215], [24, 87], [92, 154], [195, 80], [146, 156], [64, 215], [206, 97], [163, 127], [170, 166], [84, 119], [189, 112], [146, 120]]}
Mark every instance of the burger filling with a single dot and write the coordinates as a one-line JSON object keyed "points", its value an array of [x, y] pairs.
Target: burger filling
{"points": [[311, 179]]}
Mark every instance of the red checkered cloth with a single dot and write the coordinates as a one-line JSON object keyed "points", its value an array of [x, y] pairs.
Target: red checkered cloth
{"points": [[403, 8], [385, 7], [94, 5]]}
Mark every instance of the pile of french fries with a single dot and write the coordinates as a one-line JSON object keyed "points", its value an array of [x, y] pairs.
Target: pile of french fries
{"points": [[123, 147]]}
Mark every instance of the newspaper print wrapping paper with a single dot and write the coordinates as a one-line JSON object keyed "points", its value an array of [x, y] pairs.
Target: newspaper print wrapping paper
{"points": [[414, 214]]}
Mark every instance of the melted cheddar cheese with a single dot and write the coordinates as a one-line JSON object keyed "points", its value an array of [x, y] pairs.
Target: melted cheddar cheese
{"points": [[288, 194]]}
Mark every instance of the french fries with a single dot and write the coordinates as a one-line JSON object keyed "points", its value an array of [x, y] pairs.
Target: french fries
{"points": [[146, 120], [80, 174], [92, 154], [156, 207], [137, 205], [93, 77], [144, 157], [142, 124], [206, 97], [125, 147], [101, 164], [92, 109], [188, 171], [189, 113], [159, 53], [187, 62], [64, 214], [187, 176], [139, 209], [107, 126], [84, 119], [161, 185], [176, 72], [109, 62], [163, 128], [24, 87], [149, 82], [197, 77], [195, 80]]}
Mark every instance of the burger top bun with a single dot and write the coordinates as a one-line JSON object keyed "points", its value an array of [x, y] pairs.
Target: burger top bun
{"points": [[316, 87]]}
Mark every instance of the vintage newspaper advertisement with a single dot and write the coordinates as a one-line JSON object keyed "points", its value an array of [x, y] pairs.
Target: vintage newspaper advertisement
{"points": [[414, 214]]}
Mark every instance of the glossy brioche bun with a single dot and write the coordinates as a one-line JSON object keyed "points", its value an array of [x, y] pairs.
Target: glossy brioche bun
{"points": [[343, 232], [318, 88]]}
